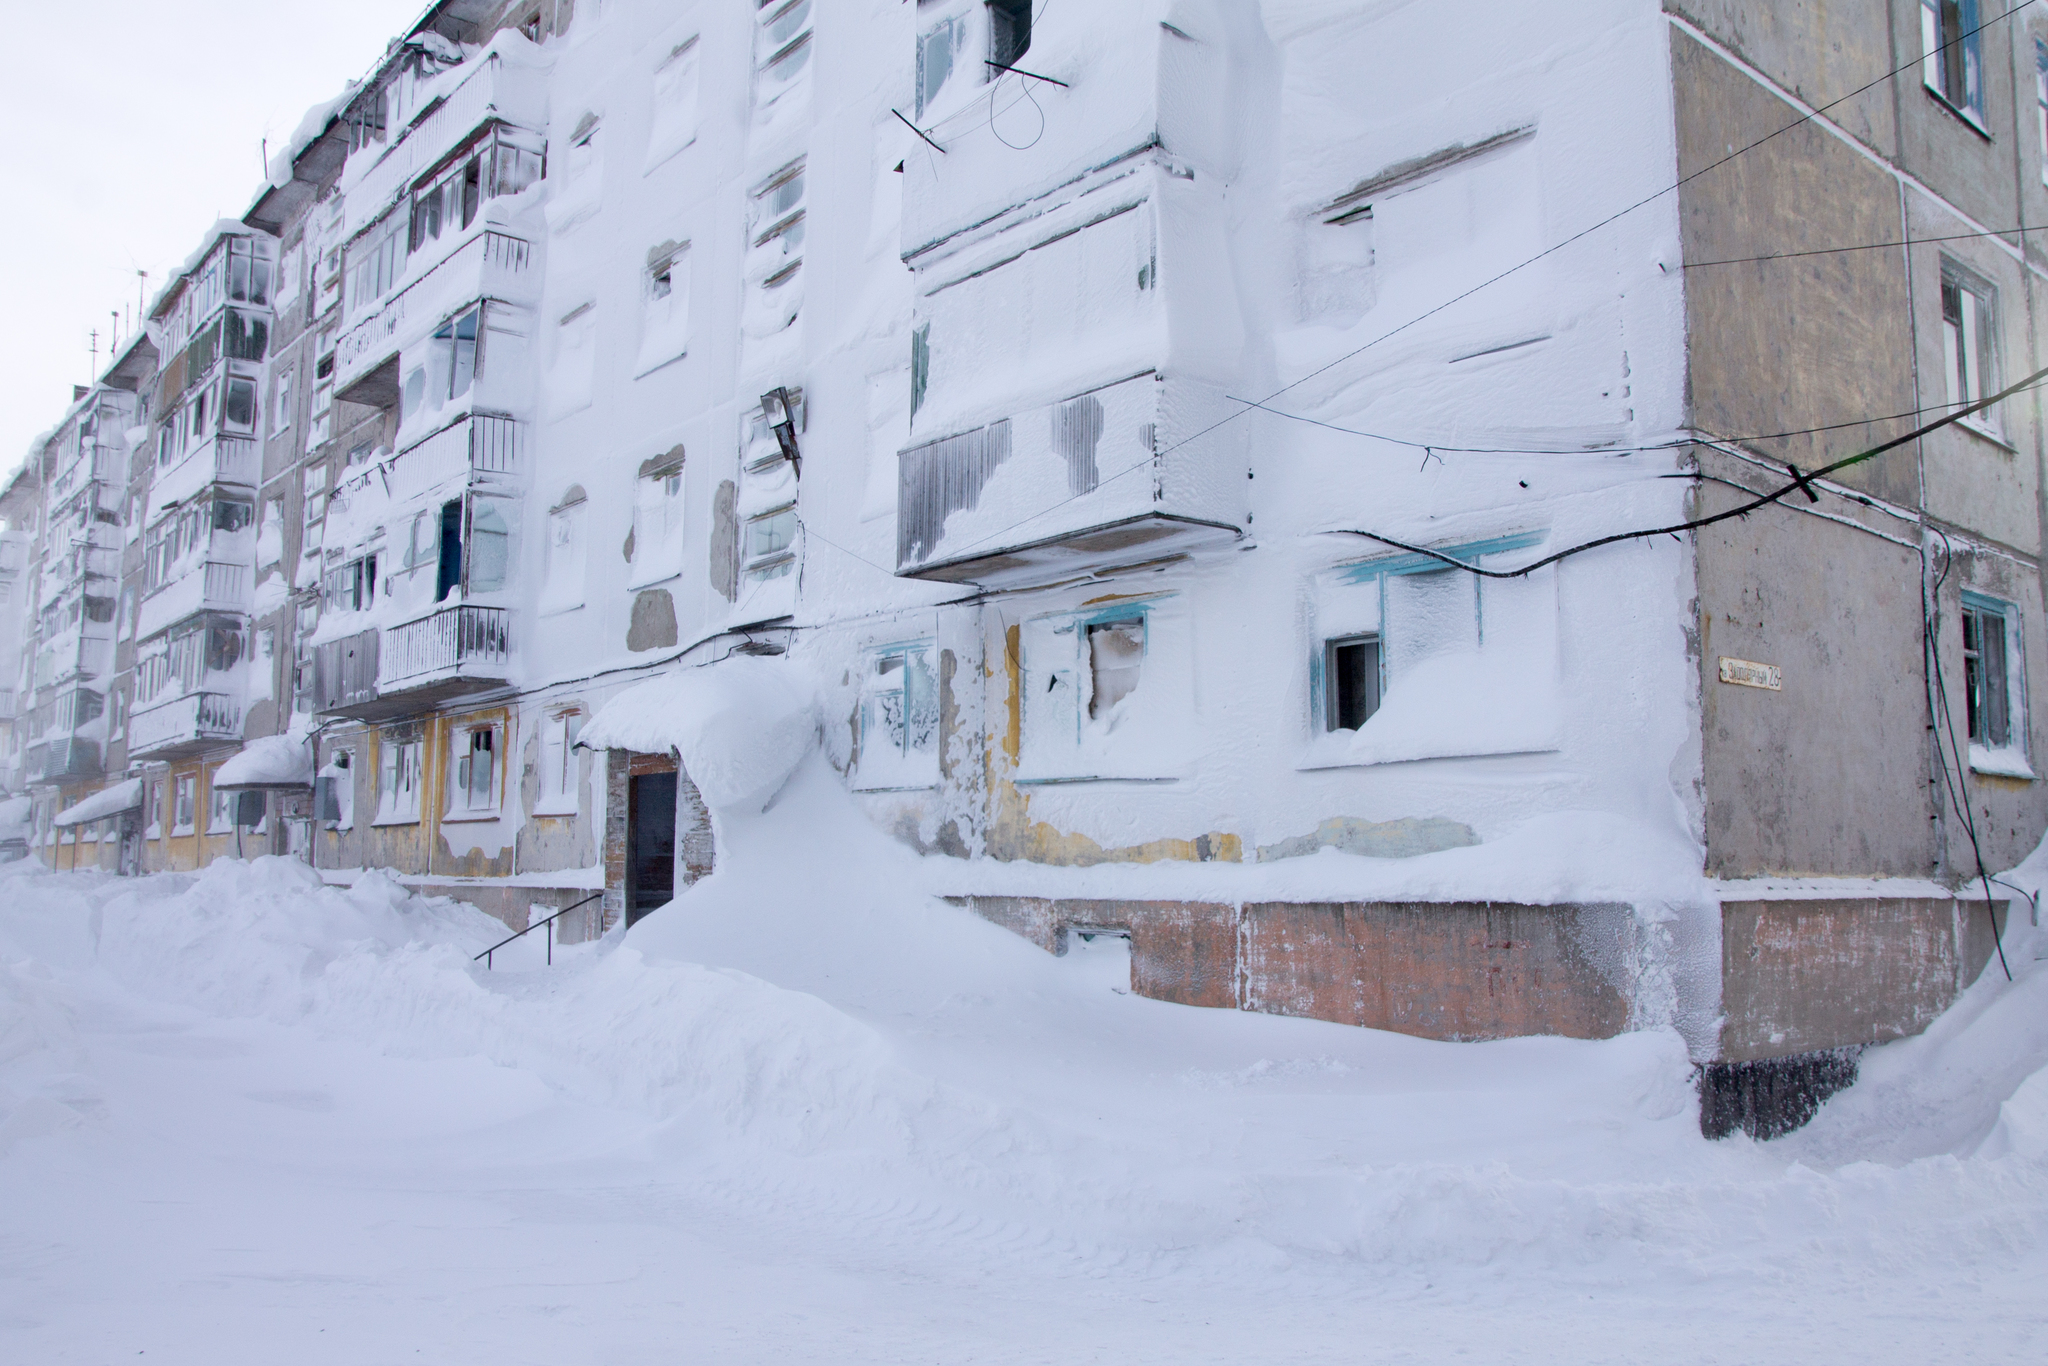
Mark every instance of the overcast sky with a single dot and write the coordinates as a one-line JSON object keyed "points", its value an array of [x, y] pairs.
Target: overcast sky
{"points": [[130, 127]]}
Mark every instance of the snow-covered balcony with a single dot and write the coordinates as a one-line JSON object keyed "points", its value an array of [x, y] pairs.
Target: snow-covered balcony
{"points": [[493, 87], [455, 652], [58, 761], [222, 460], [377, 359], [1108, 478], [184, 725], [204, 585]]}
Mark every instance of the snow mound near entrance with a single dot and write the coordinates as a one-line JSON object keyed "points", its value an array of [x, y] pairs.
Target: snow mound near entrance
{"points": [[740, 726]]}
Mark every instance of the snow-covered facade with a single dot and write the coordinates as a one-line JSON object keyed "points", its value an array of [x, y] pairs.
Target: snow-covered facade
{"points": [[1039, 379]]}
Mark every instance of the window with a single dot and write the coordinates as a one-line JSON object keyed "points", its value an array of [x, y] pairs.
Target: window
{"points": [[314, 487], [220, 812], [666, 324], [248, 270], [770, 538], [562, 589], [185, 802], [1351, 681], [1116, 653], [449, 367], [473, 778], [1968, 335], [375, 261], [899, 720], [398, 781], [490, 540], [658, 520], [935, 49], [448, 570], [335, 791], [575, 361], [675, 104], [1994, 687], [153, 809], [1009, 31], [238, 406], [352, 587], [782, 48], [281, 402], [2041, 103], [775, 254], [560, 773], [1952, 54]]}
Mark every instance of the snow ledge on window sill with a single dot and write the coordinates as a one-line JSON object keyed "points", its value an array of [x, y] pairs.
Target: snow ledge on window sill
{"points": [[2000, 763], [1966, 115], [1335, 750], [395, 820], [1988, 433], [467, 817], [558, 807]]}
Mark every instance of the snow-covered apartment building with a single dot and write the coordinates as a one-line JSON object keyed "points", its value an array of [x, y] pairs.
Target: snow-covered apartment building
{"points": [[1106, 405]]}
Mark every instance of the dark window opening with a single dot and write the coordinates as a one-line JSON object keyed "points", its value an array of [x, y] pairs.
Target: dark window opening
{"points": [[450, 571], [1009, 31], [1351, 669], [1985, 677]]}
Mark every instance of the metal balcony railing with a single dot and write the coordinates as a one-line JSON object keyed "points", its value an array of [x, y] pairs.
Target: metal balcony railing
{"points": [[345, 672], [194, 719], [461, 639]]}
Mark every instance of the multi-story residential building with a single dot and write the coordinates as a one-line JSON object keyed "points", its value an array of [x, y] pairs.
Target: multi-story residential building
{"points": [[1140, 418]]}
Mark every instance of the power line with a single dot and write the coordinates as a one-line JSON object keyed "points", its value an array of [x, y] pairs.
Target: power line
{"points": [[1801, 483], [1672, 445], [2021, 230]]}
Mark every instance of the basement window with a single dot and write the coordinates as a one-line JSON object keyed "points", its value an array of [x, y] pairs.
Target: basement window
{"points": [[1952, 55], [1993, 683], [1351, 681], [899, 720]]}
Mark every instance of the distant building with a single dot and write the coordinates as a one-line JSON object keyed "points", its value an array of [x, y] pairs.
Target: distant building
{"points": [[1044, 380]]}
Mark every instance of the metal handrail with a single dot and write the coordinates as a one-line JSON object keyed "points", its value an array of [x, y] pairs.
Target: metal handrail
{"points": [[486, 954]]}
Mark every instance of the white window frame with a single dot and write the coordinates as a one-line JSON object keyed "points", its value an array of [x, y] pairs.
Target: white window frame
{"points": [[899, 718], [185, 804], [475, 796], [281, 400], [399, 776], [560, 789], [1969, 344], [1968, 101]]}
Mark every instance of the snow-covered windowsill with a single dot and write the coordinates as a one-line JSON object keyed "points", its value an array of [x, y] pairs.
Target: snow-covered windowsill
{"points": [[2000, 763], [412, 819], [558, 806], [459, 817]]}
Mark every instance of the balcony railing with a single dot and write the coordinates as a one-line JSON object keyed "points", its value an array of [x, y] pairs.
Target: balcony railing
{"points": [[193, 721], [461, 640], [496, 444]]}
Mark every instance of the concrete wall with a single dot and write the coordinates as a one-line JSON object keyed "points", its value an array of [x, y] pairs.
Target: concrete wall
{"points": [[1800, 976], [1838, 773]]}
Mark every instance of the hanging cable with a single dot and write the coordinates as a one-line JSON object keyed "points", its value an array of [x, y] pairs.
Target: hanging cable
{"points": [[1801, 483]]}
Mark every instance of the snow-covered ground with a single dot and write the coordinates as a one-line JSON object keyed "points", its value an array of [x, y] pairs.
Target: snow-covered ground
{"points": [[809, 1114]]}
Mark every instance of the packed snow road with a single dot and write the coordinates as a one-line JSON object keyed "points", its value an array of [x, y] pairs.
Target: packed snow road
{"points": [[807, 1114]]}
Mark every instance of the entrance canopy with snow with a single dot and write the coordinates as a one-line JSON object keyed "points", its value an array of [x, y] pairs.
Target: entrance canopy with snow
{"points": [[108, 801], [740, 726], [275, 761]]}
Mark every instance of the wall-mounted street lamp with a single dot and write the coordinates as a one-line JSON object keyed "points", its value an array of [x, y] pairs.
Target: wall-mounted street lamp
{"points": [[778, 407]]}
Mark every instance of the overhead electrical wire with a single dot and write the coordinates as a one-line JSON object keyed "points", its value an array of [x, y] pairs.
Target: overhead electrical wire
{"points": [[1801, 483], [2019, 231]]}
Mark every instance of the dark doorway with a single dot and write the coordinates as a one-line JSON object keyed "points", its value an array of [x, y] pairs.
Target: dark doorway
{"points": [[650, 843]]}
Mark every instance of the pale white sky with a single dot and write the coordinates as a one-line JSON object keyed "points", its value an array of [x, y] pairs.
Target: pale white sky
{"points": [[129, 128]]}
